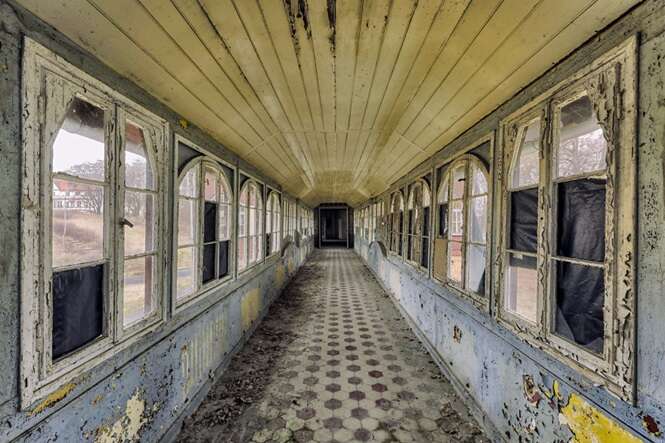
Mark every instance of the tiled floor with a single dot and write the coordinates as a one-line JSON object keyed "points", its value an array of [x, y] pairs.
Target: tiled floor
{"points": [[332, 361]]}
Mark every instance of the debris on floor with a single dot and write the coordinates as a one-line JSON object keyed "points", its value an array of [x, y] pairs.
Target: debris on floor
{"points": [[332, 362]]}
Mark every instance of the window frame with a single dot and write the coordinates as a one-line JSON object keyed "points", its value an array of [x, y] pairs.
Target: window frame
{"points": [[466, 157], [272, 193], [397, 236], [419, 219], [40, 375], [205, 159], [261, 212], [616, 367]]}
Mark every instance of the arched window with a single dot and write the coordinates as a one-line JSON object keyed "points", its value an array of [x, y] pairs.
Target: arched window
{"points": [[250, 225], [462, 211], [418, 223], [396, 222], [273, 224], [205, 216]]}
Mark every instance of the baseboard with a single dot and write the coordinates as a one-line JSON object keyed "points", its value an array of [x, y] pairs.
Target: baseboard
{"points": [[476, 411]]}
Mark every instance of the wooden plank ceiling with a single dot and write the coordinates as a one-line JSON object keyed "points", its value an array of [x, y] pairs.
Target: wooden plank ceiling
{"points": [[333, 99]]}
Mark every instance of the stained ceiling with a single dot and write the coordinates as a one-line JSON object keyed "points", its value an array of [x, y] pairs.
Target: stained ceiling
{"points": [[333, 99]]}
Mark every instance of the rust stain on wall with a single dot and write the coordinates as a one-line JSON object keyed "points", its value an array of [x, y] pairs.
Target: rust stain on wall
{"points": [[651, 425], [53, 398]]}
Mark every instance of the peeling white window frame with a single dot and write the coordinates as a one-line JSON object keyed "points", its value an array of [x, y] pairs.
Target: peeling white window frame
{"points": [[481, 301], [396, 231], [274, 194], [205, 159], [250, 178], [615, 369], [40, 376], [418, 219]]}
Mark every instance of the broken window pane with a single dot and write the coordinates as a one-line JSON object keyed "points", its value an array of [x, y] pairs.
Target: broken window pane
{"points": [[459, 182], [187, 221], [140, 211], [443, 220], [78, 308], [455, 261], [443, 190], [479, 182], [186, 278], [580, 297], [138, 168], [526, 170], [210, 222], [457, 220], [521, 286], [189, 185], [475, 269], [582, 145], [77, 223], [524, 220], [137, 289], [79, 148], [478, 219], [581, 219], [210, 187]]}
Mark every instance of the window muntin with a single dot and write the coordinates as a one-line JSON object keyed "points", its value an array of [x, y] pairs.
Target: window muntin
{"points": [[250, 230], [418, 215], [205, 216], [462, 226], [273, 224]]}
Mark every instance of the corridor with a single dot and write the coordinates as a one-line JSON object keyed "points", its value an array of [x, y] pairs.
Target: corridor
{"points": [[332, 361]]}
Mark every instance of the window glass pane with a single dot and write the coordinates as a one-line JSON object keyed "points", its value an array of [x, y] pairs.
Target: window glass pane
{"points": [[78, 148], [582, 145], [456, 220], [77, 223], [521, 290], [210, 181], [138, 168], [524, 220], [137, 289], [459, 180], [242, 221], [223, 270], [477, 231], [252, 221], [187, 221], [526, 170], [225, 190], [78, 308], [209, 258], [224, 219], [455, 261], [252, 250], [580, 296], [186, 278], [210, 222], [189, 185], [242, 253], [479, 182], [475, 269], [581, 219], [252, 195], [141, 212]]}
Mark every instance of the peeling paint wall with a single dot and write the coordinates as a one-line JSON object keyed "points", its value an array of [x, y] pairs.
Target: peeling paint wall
{"points": [[141, 392], [518, 391]]}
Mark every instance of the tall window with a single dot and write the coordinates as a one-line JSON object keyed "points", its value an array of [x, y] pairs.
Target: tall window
{"points": [[92, 233], [418, 223], [396, 222], [462, 224], [567, 261], [250, 225], [204, 227], [273, 224]]}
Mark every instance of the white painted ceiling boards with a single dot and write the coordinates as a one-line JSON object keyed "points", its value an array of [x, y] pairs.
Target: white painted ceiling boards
{"points": [[333, 99]]}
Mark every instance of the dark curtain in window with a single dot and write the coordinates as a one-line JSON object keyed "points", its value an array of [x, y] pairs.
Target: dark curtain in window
{"points": [[210, 222], [443, 220], [223, 259], [524, 220], [78, 308], [581, 219], [209, 262]]}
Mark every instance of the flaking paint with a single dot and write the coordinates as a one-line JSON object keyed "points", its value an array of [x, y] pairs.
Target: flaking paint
{"points": [[127, 427], [251, 308]]}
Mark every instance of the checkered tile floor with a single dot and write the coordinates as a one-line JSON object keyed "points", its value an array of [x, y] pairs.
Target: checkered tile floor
{"points": [[333, 362]]}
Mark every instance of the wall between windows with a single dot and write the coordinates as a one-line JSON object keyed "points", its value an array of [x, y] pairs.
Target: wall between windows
{"points": [[144, 390], [520, 392]]}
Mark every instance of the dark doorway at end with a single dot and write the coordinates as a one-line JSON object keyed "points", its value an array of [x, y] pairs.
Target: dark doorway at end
{"points": [[333, 226]]}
